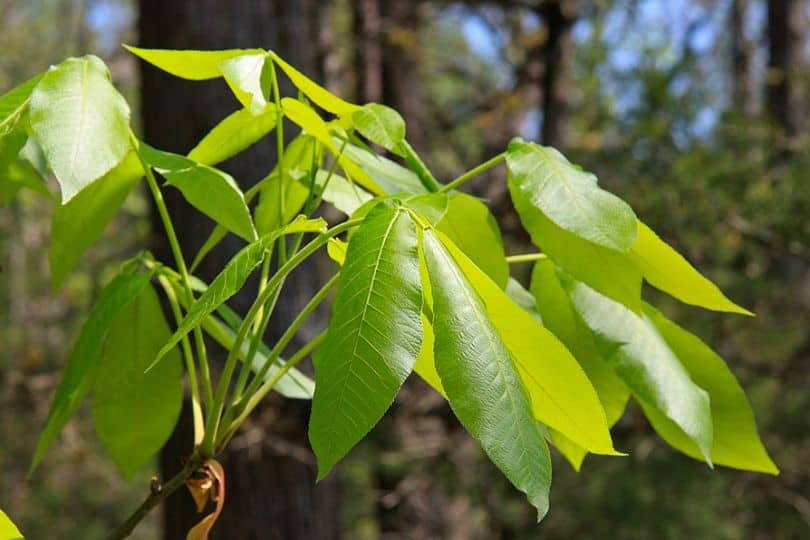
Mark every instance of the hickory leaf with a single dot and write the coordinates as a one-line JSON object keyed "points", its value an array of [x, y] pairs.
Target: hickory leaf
{"points": [[568, 196], [249, 80], [735, 442], [642, 359], [666, 269], [80, 121], [381, 125], [135, 412], [233, 134], [373, 337], [318, 94], [13, 103], [77, 378], [189, 64], [481, 380]]}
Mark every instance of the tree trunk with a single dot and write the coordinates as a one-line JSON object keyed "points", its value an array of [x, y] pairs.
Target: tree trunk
{"points": [[559, 17], [742, 52], [271, 491], [787, 25], [368, 51]]}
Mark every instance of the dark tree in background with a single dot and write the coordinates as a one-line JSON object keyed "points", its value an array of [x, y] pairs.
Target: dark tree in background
{"points": [[271, 491], [787, 28]]}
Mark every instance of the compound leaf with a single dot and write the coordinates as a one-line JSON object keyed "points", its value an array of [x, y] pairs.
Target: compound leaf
{"points": [[189, 64]]}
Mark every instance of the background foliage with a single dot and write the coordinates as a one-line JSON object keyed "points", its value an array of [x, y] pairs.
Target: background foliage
{"points": [[657, 103]]}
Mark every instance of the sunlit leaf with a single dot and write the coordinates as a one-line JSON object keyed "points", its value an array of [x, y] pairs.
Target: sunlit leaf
{"points": [[642, 359], [233, 134], [373, 337], [481, 380], [80, 121], [188, 64], [735, 442], [380, 124], [13, 103], [249, 80], [390, 176], [8, 531], [568, 196], [666, 269], [318, 94]]}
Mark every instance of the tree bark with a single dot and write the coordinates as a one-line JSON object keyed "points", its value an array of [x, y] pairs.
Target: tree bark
{"points": [[787, 25], [368, 51], [270, 477], [559, 18], [742, 52]]}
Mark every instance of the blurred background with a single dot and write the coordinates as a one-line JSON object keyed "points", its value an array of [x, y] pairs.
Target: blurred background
{"points": [[695, 111]]}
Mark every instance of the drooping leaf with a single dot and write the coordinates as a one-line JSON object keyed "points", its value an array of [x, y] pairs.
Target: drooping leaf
{"points": [[471, 226], [390, 176], [213, 490], [80, 121], [569, 197], [520, 296], [374, 335], [232, 279], [381, 125], [318, 94], [481, 380], [8, 531], [213, 192], [189, 64], [79, 223], [135, 412], [646, 364], [561, 394], [735, 442], [666, 269], [560, 317], [15, 171], [13, 103], [249, 80], [233, 134], [78, 375], [609, 272]]}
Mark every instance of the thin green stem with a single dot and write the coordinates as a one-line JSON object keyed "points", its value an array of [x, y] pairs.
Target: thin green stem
{"points": [[290, 332], [213, 420], [174, 244], [525, 257], [282, 252], [419, 168], [188, 357], [268, 385], [472, 173]]}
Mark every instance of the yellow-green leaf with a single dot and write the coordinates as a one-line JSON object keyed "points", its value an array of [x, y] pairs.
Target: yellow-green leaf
{"points": [[189, 64], [666, 269], [317, 93]]}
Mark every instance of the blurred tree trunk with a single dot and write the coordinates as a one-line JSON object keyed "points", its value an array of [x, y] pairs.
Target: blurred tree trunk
{"points": [[368, 51], [271, 491], [559, 17], [742, 53], [787, 25]]}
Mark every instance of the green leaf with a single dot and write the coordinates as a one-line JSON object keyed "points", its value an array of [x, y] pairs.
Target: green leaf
{"points": [[79, 223], [481, 380], [569, 196], [342, 194], [211, 191], [666, 269], [15, 171], [646, 364], [78, 376], [390, 176], [235, 133], [80, 121], [192, 65], [381, 125], [249, 80], [470, 225], [318, 94], [560, 317], [609, 272], [135, 412], [232, 279], [374, 335], [736, 442], [13, 103], [8, 531], [306, 117], [561, 394]]}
